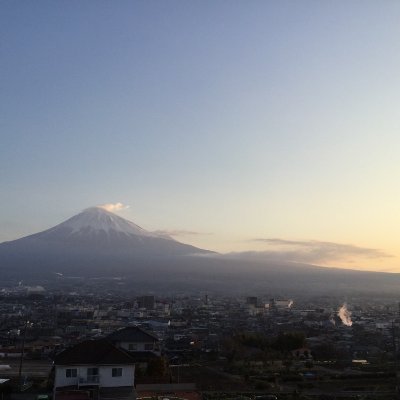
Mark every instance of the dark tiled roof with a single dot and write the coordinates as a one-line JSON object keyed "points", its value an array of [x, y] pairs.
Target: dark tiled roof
{"points": [[98, 352], [132, 334]]}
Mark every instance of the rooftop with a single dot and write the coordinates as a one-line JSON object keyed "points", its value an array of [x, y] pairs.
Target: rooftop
{"points": [[132, 334], [99, 352]]}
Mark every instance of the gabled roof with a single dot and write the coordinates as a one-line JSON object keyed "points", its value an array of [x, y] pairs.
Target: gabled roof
{"points": [[98, 352], [132, 334]]}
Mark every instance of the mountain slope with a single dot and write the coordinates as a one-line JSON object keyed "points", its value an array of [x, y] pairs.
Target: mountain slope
{"points": [[97, 243], [97, 231]]}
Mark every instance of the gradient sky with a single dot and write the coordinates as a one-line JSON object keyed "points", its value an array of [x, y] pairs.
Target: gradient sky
{"points": [[228, 122]]}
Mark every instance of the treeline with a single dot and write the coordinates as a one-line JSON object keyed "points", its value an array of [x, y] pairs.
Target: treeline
{"points": [[257, 345]]}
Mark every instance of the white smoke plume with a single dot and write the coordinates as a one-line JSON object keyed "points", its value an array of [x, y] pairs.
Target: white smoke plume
{"points": [[290, 303], [114, 206], [345, 315]]}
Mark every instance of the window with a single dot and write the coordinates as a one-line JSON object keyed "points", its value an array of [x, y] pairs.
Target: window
{"points": [[148, 346], [116, 372], [132, 346], [71, 373], [92, 371]]}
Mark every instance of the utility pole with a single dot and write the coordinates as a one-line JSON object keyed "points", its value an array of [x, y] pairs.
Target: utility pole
{"points": [[22, 355], [395, 352]]}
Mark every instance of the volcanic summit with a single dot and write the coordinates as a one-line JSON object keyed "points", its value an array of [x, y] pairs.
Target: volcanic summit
{"points": [[91, 239]]}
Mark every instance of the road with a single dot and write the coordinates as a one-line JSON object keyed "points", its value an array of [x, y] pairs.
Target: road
{"points": [[30, 368]]}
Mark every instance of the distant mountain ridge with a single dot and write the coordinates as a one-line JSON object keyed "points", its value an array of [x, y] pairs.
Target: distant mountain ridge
{"points": [[96, 230], [97, 243]]}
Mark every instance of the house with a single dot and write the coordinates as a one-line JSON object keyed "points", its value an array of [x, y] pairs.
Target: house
{"points": [[135, 340], [96, 366], [141, 344]]}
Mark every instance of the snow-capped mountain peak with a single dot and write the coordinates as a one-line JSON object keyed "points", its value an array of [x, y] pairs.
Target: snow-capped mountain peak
{"points": [[98, 219], [97, 231]]}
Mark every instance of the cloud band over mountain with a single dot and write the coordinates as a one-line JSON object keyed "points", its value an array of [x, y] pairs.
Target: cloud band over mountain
{"points": [[311, 251]]}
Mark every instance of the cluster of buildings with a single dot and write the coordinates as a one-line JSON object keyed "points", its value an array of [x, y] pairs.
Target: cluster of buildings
{"points": [[101, 345]]}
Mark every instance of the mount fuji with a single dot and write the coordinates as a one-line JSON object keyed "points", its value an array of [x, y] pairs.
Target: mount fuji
{"points": [[99, 244], [94, 240], [96, 229]]}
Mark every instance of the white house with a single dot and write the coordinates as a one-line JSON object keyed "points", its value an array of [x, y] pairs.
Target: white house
{"points": [[95, 365]]}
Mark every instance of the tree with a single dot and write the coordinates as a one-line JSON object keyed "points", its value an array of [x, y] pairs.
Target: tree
{"points": [[289, 341], [156, 367]]}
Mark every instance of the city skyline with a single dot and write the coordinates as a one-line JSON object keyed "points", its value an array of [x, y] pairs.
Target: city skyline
{"points": [[262, 126]]}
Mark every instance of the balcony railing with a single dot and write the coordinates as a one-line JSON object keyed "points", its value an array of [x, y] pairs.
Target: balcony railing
{"points": [[89, 380]]}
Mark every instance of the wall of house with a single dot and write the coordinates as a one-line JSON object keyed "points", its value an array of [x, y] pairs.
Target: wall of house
{"points": [[105, 375], [60, 378], [127, 378], [152, 346]]}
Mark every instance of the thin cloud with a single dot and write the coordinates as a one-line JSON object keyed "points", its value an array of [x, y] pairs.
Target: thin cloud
{"points": [[284, 241], [179, 232], [114, 206], [313, 251]]}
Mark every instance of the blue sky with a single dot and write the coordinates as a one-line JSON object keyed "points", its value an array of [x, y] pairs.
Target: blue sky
{"points": [[235, 120]]}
